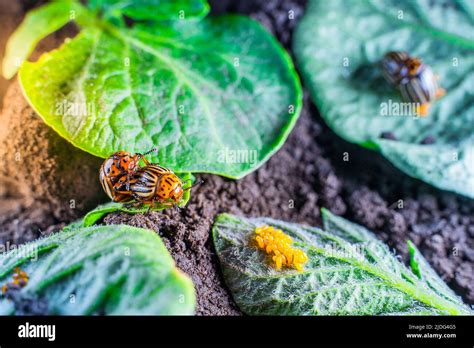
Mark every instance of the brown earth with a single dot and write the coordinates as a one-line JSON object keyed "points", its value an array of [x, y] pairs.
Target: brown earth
{"points": [[45, 182], [308, 173]]}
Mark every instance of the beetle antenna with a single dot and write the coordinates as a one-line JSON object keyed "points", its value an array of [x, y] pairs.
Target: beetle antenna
{"points": [[153, 149], [199, 182], [142, 155]]}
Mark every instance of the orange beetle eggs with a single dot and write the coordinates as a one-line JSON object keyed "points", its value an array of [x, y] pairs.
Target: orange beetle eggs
{"points": [[20, 278], [278, 244]]}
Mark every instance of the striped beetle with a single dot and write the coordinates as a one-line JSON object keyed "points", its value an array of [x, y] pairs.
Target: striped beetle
{"points": [[416, 81], [150, 184]]}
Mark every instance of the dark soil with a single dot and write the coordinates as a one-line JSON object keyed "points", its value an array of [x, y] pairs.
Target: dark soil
{"points": [[314, 169]]}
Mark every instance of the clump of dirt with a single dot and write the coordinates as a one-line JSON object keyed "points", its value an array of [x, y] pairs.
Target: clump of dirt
{"points": [[314, 169]]}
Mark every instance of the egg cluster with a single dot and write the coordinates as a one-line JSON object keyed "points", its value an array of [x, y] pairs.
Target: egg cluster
{"points": [[278, 244], [20, 279]]}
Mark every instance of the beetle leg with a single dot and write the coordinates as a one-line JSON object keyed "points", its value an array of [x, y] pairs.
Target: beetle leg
{"points": [[127, 185], [422, 109], [152, 205], [119, 186], [121, 195], [122, 198], [129, 205], [123, 192], [142, 156], [129, 181], [168, 204]]}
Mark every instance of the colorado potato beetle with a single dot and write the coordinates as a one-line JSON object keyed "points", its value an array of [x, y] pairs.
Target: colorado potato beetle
{"points": [[415, 80], [120, 164], [152, 184]]}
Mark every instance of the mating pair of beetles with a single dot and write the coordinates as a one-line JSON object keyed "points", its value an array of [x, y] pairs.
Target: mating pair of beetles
{"points": [[125, 181]]}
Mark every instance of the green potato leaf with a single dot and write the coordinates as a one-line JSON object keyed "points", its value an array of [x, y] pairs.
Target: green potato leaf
{"points": [[37, 24], [95, 215], [218, 95], [338, 46], [153, 10], [349, 272], [112, 270], [423, 270]]}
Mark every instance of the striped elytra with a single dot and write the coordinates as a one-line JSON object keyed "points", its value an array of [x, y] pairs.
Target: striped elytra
{"points": [[415, 80], [150, 184], [106, 182], [420, 89], [156, 183]]}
